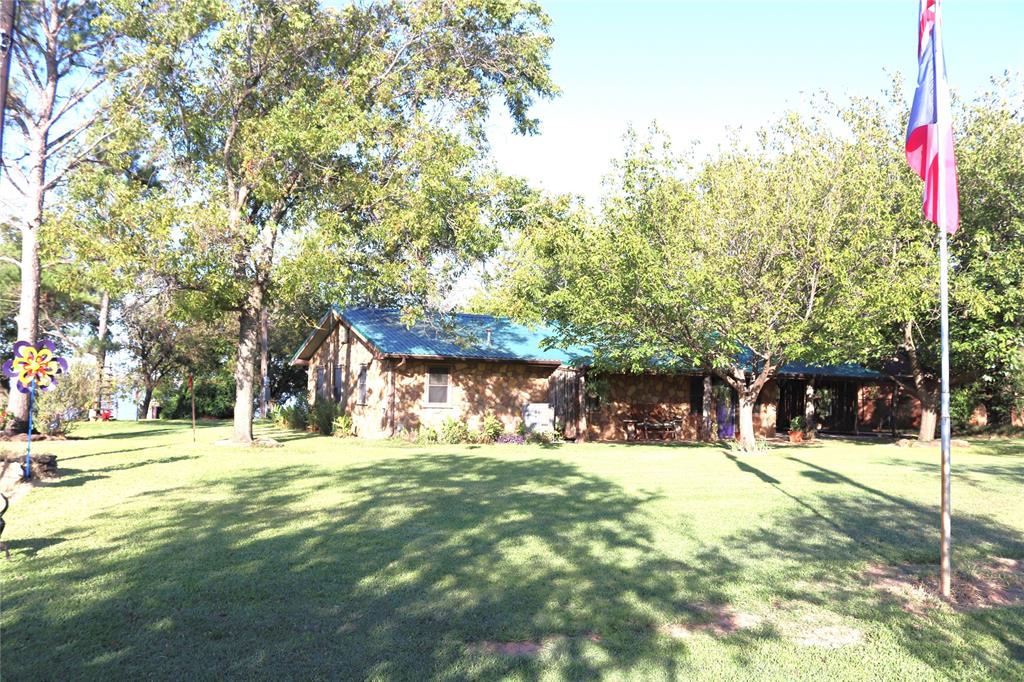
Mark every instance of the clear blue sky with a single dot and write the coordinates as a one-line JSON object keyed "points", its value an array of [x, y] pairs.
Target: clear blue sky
{"points": [[699, 68]]}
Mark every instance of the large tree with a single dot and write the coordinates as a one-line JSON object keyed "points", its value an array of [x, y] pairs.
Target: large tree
{"points": [[363, 124], [64, 53], [986, 254]]}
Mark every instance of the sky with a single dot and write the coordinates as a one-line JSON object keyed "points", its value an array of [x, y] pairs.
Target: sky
{"points": [[701, 68]]}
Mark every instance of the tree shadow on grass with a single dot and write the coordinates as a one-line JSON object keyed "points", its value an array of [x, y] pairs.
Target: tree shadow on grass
{"points": [[396, 569], [30, 546], [834, 535], [389, 570], [105, 452], [141, 433]]}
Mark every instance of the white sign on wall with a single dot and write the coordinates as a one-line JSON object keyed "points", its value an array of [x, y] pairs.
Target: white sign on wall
{"points": [[539, 417]]}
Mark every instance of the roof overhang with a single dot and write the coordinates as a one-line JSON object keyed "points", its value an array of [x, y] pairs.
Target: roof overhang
{"points": [[316, 337], [470, 358]]}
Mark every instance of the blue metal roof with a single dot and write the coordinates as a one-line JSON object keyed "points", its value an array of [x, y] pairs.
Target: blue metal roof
{"points": [[456, 336], [846, 370], [464, 336]]}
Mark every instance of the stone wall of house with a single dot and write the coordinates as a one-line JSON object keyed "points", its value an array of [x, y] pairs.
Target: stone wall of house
{"points": [[979, 416], [474, 389], [341, 357], [875, 405], [632, 397]]}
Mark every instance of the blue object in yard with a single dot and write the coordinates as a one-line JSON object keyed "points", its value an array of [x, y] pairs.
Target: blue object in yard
{"points": [[28, 442], [726, 423]]}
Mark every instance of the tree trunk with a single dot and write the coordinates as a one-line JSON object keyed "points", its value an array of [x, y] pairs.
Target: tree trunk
{"points": [[245, 363], [261, 259], [147, 397], [28, 302], [264, 360], [747, 400], [101, 350], [929, 417], [707, 410]]}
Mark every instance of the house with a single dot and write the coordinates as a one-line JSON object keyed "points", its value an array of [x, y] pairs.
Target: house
{"points": [[394, 378]]}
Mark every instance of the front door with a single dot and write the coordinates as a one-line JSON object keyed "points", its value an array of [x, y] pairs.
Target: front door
{"points": [[792, 399], [725, 411]]}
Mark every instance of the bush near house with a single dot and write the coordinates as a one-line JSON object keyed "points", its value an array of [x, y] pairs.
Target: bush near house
{"points": [[343, 426], [454, 431], [492, 428]]}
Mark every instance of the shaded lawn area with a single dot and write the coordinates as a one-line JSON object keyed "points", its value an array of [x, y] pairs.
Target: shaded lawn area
{"points": [[337, 559]]}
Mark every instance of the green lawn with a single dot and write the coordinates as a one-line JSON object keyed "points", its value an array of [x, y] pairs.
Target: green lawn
{"points": [[153, 558]]}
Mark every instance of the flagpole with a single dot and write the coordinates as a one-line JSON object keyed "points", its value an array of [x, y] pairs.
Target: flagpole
{"points": [[942, 110]]}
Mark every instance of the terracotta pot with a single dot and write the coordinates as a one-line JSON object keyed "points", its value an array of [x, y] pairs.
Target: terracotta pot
{"points": [[796, 436]]}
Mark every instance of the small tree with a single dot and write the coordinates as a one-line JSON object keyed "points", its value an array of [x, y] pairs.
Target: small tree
{"points": [[152, 337]]}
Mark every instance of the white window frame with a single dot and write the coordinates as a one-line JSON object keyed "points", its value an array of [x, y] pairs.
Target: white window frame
{"points": [[439, 369]]}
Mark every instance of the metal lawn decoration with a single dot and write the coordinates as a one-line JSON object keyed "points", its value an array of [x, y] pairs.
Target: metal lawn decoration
{"points": [[33, 368]]}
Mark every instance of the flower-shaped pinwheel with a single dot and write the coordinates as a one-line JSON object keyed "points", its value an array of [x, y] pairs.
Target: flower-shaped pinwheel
{"points": [[34, 364]]}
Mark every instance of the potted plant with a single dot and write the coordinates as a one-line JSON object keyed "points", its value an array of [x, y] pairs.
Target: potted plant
{"points": [[796, 429]]}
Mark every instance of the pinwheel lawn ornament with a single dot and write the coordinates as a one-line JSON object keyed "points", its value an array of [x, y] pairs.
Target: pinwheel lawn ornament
{"points": [[33, 368]]}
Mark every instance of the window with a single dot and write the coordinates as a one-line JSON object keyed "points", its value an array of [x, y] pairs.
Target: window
{"points": [[319, 381], [437, 385], [362, 384], [337, 384]]}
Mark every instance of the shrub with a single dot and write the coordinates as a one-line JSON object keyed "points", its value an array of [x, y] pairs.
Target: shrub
{"points": [[426, 435], [492, 428], [541, 437], [454, 431], [761, 447], [294, 416], [323, 416], [57, 410], [215, 396], [798, 423], [343, 426]]}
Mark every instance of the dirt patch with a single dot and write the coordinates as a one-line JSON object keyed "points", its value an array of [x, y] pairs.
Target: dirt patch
{"points": [[996, 583], [717, 621], [524, 648], [12, 465], [36, 437]]}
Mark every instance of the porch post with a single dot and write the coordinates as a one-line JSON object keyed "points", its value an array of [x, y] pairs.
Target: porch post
{"points": [[706, 409], [391, 398], [856, 411], [581, 420], [809, 413]]}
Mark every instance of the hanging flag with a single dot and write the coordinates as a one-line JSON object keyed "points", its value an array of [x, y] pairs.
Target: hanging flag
{"points": [[931, 123]]}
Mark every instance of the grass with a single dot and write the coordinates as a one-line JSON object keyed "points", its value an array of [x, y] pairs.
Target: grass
{"points": [[154, 558]]}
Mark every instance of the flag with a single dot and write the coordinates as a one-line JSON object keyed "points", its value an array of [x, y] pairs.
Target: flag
{"points": [[930, 122]]}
